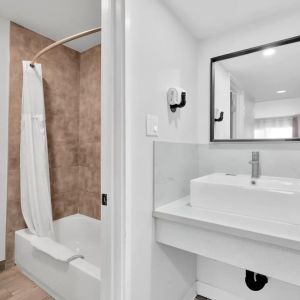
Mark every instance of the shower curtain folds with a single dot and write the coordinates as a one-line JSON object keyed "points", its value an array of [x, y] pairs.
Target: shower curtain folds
{"points": [[35, 180]]}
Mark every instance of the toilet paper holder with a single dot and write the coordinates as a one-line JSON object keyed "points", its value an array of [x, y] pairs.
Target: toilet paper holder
{"points": [[176, 98]]}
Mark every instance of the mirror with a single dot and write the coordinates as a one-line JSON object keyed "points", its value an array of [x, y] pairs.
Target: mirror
{"points": [[255, 93]]}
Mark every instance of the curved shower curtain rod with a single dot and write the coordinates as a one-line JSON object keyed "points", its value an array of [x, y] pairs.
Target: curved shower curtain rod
{"points": [[63, 41]]}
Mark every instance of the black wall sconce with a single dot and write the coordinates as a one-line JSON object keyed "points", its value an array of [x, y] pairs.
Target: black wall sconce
{"points": [[176, 98], [221, 117]]}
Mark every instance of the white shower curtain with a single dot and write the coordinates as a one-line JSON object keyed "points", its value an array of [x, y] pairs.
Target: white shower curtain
{"points": [[35, 182]]}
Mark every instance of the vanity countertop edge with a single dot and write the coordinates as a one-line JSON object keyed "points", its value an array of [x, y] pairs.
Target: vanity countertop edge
{"points": [[266, 231]]}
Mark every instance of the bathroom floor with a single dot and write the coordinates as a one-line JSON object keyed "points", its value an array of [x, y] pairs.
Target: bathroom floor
{"points": [[15, 286]]}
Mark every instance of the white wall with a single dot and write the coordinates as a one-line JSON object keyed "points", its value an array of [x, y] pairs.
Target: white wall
{"points": [[4, 94], [254, 35], [160, 54], [277, 108]]}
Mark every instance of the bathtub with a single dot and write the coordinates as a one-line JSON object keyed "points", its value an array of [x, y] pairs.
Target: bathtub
{"points": [[77, 280]]}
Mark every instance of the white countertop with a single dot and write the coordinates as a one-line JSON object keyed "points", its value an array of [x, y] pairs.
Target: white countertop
{"points": [[268, 231]]}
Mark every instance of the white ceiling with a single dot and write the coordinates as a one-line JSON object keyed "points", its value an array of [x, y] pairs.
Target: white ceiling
{"points": [[262, 76], [56, 19], [205, 18]]}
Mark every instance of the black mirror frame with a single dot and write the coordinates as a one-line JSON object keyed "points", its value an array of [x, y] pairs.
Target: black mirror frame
{"points": [[212, 88]]}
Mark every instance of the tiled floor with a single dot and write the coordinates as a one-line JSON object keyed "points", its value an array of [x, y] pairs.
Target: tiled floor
{"points": [[15, 286]]}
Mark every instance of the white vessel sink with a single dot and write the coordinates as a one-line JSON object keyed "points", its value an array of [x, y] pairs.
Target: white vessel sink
{"points": [[272, 198]]}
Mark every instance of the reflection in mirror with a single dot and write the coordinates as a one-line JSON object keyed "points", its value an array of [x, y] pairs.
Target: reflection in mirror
{"points": [[258, 93]]}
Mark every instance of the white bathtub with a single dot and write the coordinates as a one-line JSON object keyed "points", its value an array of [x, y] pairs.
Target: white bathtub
{"points": [[78, 280]]}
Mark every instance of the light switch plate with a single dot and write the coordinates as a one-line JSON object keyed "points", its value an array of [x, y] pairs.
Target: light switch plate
{"points": [[152, 125]]}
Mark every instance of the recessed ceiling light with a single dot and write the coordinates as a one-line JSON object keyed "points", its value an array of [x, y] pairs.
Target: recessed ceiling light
{"points": [[269, 52], [281, 92]]}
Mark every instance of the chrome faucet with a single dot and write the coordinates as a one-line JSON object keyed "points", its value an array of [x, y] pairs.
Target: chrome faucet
{"points": [[255, 165]]}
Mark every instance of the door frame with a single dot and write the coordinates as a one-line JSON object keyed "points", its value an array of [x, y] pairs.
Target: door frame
{"points": [[4, 117], [113, 216]]}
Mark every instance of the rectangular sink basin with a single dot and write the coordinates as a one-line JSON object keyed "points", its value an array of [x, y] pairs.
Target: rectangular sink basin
{"points": [[271, 198]]}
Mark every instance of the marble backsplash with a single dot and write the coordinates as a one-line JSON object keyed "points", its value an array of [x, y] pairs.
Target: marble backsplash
{"points": [[175, 164]]}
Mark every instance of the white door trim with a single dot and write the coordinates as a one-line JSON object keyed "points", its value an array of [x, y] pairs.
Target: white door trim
{"points": [[113, 150], [4, 105]]}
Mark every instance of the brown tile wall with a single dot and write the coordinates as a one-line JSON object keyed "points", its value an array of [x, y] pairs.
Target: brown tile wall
{"points": [[89, 132], [74, 177], [2, 266]]}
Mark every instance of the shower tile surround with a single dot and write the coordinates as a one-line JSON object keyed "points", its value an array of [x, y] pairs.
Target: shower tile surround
{"points": [[89, 132], [72, 101]]}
